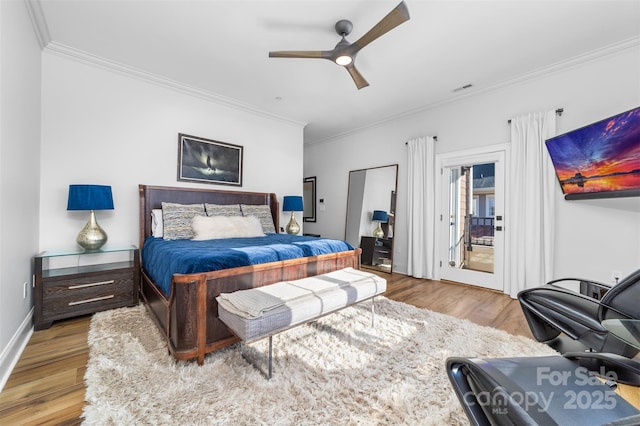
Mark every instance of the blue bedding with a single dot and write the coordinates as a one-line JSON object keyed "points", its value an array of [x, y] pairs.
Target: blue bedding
{"points": [[163, 258]]}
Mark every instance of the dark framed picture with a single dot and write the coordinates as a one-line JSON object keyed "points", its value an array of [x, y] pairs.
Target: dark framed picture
{"points": [[208, 161]]}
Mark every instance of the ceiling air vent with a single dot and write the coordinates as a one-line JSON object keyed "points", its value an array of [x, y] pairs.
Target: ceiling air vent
{"points": [[466, 86]]}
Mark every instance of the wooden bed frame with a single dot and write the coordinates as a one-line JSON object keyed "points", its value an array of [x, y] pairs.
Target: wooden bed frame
{"points": [[188, 318]]}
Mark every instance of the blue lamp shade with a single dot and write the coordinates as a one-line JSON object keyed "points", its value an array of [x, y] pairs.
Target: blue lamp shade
{"points": [[379, 215], [292, 203], [90, 197]]}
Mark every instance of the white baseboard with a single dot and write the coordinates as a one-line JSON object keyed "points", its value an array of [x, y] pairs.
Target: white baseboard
{"points": [[11, 354]]}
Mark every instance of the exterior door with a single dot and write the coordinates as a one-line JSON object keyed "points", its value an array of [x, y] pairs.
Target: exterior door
{"points": [[471, 230]]}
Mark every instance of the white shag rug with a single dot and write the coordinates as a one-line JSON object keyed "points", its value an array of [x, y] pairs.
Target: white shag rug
{"points": [[334, 371]]}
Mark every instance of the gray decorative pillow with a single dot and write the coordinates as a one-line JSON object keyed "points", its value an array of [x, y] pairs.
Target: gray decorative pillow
{"points": [[263, 213], [177, 220], [223, 209]]}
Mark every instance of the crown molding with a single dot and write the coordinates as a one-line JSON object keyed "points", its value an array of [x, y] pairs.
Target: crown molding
{"points": [[62, 50], [34, 8], [574, 62]]}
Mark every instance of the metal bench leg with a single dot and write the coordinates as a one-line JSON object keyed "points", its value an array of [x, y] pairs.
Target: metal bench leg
{"points": [[257, 358], [270, 356], [373, 313]]}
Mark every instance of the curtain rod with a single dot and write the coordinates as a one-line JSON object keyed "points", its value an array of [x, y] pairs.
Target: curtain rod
{"points": [[435, 138], [559, 112]]}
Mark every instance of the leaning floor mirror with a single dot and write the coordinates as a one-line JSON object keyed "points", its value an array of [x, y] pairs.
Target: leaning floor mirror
{"points": [[371, 213], [309, 197]]}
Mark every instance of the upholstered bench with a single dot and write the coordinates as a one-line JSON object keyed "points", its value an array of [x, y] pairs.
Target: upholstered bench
{"points": [[261, 312]]}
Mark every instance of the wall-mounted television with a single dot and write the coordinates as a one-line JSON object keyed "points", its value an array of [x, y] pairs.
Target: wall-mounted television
{"points": [[601, 160]]}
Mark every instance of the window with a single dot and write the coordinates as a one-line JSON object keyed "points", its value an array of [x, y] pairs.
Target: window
{"points": [[491, 204]]}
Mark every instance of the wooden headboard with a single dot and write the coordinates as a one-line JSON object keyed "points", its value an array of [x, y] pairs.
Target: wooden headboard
{"points": [[152, 197]]}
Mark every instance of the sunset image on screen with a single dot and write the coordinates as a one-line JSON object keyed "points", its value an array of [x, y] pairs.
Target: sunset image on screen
{"points": [[603, 156]]}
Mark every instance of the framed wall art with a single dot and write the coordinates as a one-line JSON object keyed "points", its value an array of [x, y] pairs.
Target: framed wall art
{"points": [[208, 161]]}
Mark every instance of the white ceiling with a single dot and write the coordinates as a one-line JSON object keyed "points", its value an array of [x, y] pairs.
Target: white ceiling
{"points": [[221, 48]]}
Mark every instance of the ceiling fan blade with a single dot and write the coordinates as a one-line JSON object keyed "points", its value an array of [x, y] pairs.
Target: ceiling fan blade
{"points": [[344, 50], [357, 77], [394, 18], [299, 54]]}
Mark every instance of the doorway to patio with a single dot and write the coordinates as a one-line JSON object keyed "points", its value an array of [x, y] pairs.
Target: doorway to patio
{"points": [[471, 219]]}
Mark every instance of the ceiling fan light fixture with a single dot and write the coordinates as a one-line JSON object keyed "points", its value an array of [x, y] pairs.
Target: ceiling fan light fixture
{"points": [[344, 60], [344, 53]]}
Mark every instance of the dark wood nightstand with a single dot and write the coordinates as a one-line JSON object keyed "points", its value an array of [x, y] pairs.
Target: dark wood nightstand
{"points": [[78, 282], [377, 253]]}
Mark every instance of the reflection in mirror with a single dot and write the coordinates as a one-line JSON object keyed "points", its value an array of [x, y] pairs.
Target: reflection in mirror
{"points": [[372, 189], [309, 197]]}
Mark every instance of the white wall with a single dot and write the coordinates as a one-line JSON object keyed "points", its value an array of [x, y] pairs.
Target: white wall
{"points": [[19, 176], [594, 237], [103, 127]]}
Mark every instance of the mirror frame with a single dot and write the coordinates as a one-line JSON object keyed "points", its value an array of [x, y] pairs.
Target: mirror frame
{"points": [[305, 182], [392, 206]]}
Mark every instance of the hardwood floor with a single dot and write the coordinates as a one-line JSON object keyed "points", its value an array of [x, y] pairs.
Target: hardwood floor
{"points": [[47, 388], [484, 307]]}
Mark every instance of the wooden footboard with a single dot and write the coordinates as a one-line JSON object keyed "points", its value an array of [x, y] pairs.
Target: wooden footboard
{"points": [[189, 317]]}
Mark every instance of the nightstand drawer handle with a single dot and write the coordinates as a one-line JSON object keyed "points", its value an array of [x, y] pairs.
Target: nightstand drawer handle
{"points": [[95, 299], [73, 287]]}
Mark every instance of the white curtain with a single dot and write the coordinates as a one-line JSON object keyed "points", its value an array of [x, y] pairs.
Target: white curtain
{"points": [[532, 191], [421, 207]]}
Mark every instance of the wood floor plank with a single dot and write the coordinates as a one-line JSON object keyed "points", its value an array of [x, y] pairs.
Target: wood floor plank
{"points": [[38, 388], [60, 329], [29, 373], [47, 384], [64, 406]]}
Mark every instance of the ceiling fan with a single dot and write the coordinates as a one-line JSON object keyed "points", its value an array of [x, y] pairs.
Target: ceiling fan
{"points": [[344, 53]]}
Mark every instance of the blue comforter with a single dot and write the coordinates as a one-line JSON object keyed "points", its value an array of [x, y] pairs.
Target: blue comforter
{"points": [[163, 258]]}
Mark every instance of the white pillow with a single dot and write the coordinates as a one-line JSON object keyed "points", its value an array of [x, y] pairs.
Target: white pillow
{"points": [[263, 213], [156, 223], [215, 227]]}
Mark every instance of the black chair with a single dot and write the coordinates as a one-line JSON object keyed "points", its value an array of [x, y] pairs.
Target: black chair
{"points": [[552, 390], [551, 310]]}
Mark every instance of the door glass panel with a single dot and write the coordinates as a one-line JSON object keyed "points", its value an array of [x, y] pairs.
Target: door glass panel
{"points": [[471, 217], [455, 228]]}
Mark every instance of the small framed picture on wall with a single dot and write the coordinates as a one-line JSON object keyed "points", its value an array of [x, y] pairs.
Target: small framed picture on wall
{"points": [[208, 161]]}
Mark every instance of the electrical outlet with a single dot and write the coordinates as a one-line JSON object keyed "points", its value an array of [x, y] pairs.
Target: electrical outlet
{"points": [[25, 286]]}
